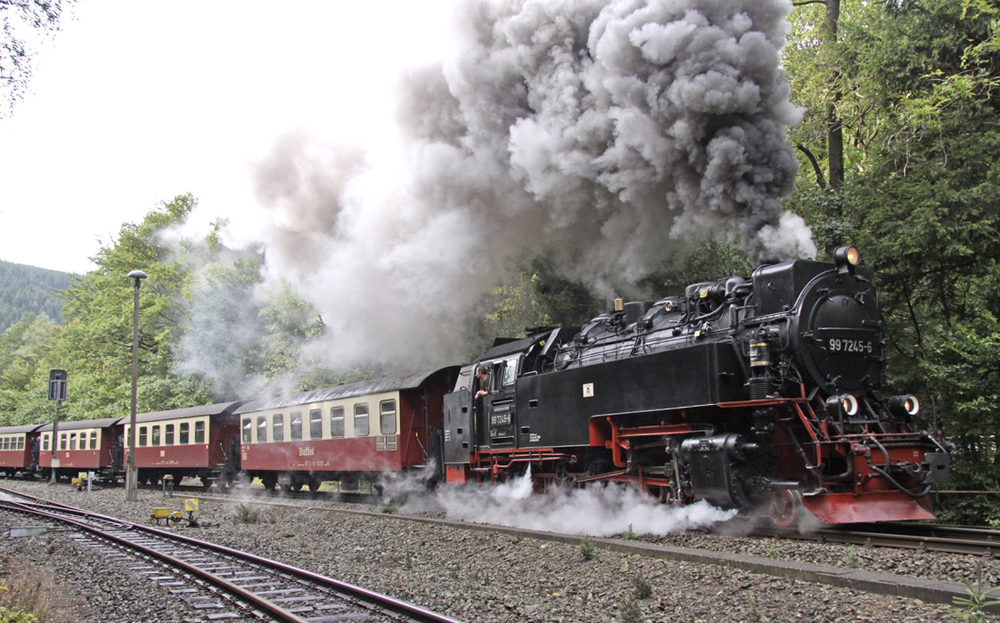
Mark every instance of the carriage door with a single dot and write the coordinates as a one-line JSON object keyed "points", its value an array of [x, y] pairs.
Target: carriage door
{"points": [[500, 406]]}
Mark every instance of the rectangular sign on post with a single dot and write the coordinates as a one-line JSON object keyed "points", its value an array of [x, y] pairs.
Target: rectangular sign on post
{"points": [[58, 380]]}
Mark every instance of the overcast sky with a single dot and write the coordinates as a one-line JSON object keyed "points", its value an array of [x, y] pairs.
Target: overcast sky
{"points": [[134, 103]]}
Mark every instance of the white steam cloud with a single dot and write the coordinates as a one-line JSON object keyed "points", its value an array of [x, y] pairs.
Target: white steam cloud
{"points": [[610, 131], [594, 510]]}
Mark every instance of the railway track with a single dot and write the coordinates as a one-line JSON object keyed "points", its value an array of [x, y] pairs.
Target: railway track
{"points": [[921, 537], [221, 581]]}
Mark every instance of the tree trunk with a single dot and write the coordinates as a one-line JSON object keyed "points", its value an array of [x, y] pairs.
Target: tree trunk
{"points": [[834, 130]]}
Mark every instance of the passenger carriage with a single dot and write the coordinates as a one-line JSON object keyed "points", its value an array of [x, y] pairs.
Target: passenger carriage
{"points": [[19, 449], [84, 445], [194, 442], [347, 433]]}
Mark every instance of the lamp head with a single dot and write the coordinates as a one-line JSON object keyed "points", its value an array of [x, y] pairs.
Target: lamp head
{"points": [[137, 275]]}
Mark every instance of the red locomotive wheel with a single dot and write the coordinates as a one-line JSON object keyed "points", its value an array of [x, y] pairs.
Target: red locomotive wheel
{"points": [[785, 508]]}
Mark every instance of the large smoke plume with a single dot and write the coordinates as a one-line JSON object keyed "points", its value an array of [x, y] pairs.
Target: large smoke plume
{"points": [[611, 133]]}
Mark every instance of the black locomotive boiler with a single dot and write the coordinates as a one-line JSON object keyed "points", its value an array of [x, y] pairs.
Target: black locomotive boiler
{"points": [[760, 393]]}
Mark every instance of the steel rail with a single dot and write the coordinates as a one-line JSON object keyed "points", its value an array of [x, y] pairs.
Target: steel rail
{"points": [[364, 598]]}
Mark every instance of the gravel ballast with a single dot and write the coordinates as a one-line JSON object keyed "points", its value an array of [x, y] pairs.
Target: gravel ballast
{"points": [[473, 575]]}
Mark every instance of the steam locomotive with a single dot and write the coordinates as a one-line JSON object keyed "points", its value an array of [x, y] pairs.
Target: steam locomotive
{"points": [[762, 394]]}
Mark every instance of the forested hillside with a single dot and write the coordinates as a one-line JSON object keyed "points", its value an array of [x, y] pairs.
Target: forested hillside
{"points": [[27, 291]]}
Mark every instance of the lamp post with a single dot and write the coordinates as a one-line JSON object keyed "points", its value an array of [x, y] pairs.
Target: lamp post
{"points": [[132, 474]]}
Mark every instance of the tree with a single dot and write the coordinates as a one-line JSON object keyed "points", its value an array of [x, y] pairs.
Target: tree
{"points": [[23, 20], [922, 200], [25, 360], [98, 338]]}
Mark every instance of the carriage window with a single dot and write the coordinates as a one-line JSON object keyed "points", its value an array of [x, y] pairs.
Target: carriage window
{"points": [[168, 435], [20, 443], [261, 429], [72, 441], [142, 436], [184, 435], [128, 436], [361, 420], [509, 372], [315, 424], [247, 429], [279, 427], [296, 426], [199, 432], [156, 435], [6, 443], [387, 417], [336, 421], [93, 440], [45, 442], [62, 441]]}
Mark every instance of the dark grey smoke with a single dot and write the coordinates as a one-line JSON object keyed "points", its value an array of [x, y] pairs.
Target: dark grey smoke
{"points": [[613, 132]]}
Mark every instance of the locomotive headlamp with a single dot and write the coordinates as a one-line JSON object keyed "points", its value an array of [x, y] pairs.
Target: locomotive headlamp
{"points": [[845, 404], [846, 256], [904, 405]]}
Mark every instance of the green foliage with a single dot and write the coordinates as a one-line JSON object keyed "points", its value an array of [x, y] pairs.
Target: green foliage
{"points": [[29, 291], [629, 610], [26, 356], [973, 607], [708, 260], [587, 548], [641, 587], [534, 296], [16, 616], [388, 508], [915, 86], [23, 22]]}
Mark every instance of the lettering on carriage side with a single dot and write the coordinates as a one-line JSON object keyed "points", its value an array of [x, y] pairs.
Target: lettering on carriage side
{"points": [[309, 451], [588, 390]]}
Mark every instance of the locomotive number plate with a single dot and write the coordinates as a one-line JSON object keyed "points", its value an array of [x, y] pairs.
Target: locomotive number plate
{"points": [[849, 342], [845, 346]]}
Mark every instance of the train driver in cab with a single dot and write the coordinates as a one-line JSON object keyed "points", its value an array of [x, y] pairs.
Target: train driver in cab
{"points": [[482, 381]]}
